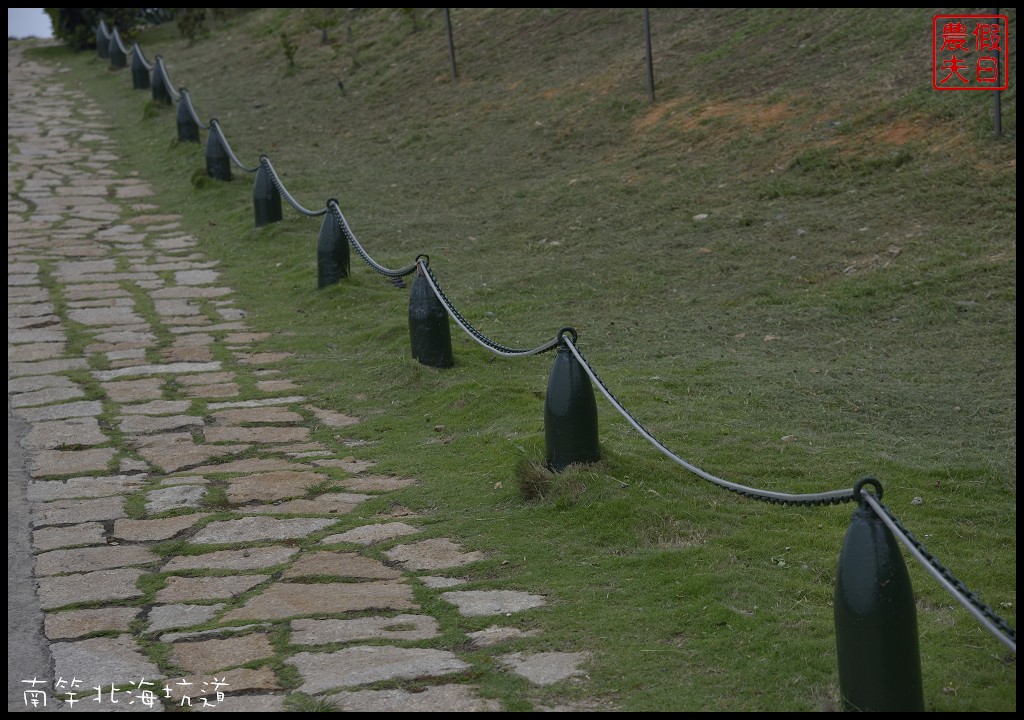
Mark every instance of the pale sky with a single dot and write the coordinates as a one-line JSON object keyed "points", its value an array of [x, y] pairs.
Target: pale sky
{"points": [[28, 22]]}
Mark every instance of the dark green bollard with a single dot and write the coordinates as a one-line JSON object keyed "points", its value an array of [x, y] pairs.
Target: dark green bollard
{"points": [[140, 73], [570, 414], [332, 254], [161, 93], [876, 619], [218, 164], [188, 128], [117, 57], [102, 41], [266, 198], [429, 330]]}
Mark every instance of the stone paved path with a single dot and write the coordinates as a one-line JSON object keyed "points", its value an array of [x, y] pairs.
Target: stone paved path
{"points": [[127, 357]]}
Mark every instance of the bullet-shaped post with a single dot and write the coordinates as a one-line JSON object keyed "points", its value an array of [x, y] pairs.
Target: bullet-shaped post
{"points": [[429, 330], [570, 414], [876, 619]]}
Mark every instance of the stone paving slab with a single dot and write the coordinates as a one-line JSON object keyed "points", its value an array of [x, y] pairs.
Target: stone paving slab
{"points": [[257, 558], [100, 586], [251, 529], [545, 668], [400, 627], [474, 603], [433, 554], [87, 559], [181, 615], [368, 664], [52, 434], [207, 656], [284, 600], [371, 534], [432, 698], [66, 462], [51, 538], [102, 661], [340, 564], [182, 589], [66, 512], [76, 623]]}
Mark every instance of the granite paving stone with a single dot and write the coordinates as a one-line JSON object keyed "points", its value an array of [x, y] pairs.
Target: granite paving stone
{"points": [[82, 408], [174, 498], [181, 589], [103, 661], [51, 538], [432, 554], [141, 424], [432, 698], [371, 534], [80, 487], [165, 617], [157, 407], [257, 558], [243, 416], [283, 600], [341, 564], [46, 396], [66, 512], [52, 434], [159, 529], [76, 623], [67, 462], [250, 529], [262, 434], [129, 391], [377, 483], [329, 504], [278, 485], [88, 559], [545, 668], [101, 586], [400, 627], [474, 603], [362, 665], [206, 656]]}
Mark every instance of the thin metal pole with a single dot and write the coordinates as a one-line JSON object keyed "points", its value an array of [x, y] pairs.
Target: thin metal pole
{"points": [[997, 113], [451, 44], [650, 61]]}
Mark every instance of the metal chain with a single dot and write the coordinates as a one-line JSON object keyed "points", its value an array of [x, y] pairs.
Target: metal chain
{"points": [[265, 161], [825, 498], [461, 321], [142, 58], [215, 127], [116, 37], [984, 614], [332, 205], [162, 69], [191, 109]]}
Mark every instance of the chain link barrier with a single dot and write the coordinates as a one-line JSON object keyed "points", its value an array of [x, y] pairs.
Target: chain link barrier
{"points": [[116, 37], [137, 51], [187, 102], [825, 498], [215, 128], [989, 619], [162, 69], [265, 161], [332, 205], [971, 602], [475, 334]]}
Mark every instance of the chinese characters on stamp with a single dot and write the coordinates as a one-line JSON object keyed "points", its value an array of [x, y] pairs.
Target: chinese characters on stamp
{"points": [[970, 52]]}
